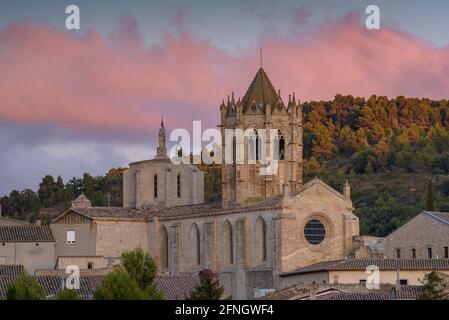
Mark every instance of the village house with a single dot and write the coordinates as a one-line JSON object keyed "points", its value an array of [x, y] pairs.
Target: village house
{"points": [[426, 236], [28, 245]]}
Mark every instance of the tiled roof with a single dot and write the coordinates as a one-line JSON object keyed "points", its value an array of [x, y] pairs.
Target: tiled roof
{"points": [[345, 292], [10, 270], [25, 233], [383, 264], [111, 212], [404, 293], [261, 92], [172, 213], [53, 284], [177, 287]]}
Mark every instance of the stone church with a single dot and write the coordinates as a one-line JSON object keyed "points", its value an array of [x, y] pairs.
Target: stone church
{"points": [[266, 224]]}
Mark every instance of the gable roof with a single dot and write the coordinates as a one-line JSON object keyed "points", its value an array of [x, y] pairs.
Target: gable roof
{"points": [[25, 234], [177, 287], [362, 264], [317, 180], [442, 217]]}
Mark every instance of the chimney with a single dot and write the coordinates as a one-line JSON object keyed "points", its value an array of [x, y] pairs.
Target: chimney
{"points": [[312, 295], [398, 281]]}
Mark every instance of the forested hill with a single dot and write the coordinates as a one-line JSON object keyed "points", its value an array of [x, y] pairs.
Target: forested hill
{"points": [[388, 149], [54, 196]]}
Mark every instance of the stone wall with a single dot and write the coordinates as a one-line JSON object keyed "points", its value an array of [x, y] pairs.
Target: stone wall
{"points": [[421, 233], [32, 255], [139, 184]]}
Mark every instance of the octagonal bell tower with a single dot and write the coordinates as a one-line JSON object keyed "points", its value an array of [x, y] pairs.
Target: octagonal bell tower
{"points": [[261, 107]]}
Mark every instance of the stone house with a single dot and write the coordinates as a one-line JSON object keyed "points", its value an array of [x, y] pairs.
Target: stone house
{"points": [[27, 245], [93, 237], [354, 271], [426, 236]]}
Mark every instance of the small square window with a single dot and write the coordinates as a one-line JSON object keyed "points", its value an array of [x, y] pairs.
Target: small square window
{"points": [[90, 265], [398, 253], [446, 253], [429, 253], [71, 237], [413, 253], [403, 282]]}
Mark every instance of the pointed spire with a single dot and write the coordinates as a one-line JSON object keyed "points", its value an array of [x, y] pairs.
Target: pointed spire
{"points": [[162, 149], [347, 191]]}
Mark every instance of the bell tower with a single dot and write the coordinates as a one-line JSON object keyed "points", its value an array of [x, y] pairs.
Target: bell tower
{"points": [[261, 107]]}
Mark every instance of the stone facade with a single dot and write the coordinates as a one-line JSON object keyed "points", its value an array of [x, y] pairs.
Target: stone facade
{"points": [[159, 182], [425, 236], [261, 108], [33, 247]]}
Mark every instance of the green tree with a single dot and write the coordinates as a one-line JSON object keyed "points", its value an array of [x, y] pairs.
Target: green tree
{"points": [[430, 197], [434, 287], [25, 287], [68, 294], [142, 269], [209, 289], [118, 285]]}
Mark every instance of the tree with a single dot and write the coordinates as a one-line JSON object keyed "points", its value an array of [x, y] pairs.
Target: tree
{"points": [[209, 289], [434, 287], [118, 285], [25, 287], [68, 294], [142, 269], [430, 197]]}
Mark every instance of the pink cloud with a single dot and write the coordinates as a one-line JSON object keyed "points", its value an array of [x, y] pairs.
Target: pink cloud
{"points": [[50, 76]]}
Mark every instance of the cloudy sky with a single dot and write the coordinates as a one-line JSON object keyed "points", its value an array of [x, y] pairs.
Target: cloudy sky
{"points": [[88, 100]]}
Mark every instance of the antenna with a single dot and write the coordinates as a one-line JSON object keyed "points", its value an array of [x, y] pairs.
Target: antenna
{"points": [[162, 117]]}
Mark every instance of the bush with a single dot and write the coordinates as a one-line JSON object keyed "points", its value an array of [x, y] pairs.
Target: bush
{"points": [[25, 287], [68, 294], [118, 285]]}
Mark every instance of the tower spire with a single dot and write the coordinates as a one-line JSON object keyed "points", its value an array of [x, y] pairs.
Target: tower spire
{"points": [[162, 149]]}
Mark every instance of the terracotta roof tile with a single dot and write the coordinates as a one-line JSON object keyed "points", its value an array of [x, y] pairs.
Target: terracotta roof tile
{"points": [[25, 233], [10, 270], [176, 287], [383, 264]]}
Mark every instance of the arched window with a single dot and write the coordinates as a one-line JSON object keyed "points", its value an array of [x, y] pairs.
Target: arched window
{"points": [[163, 238], [228, 244], [178, 185], [253, 146], [279, 146], [155, 186], [261, 239], [195, 245]]}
